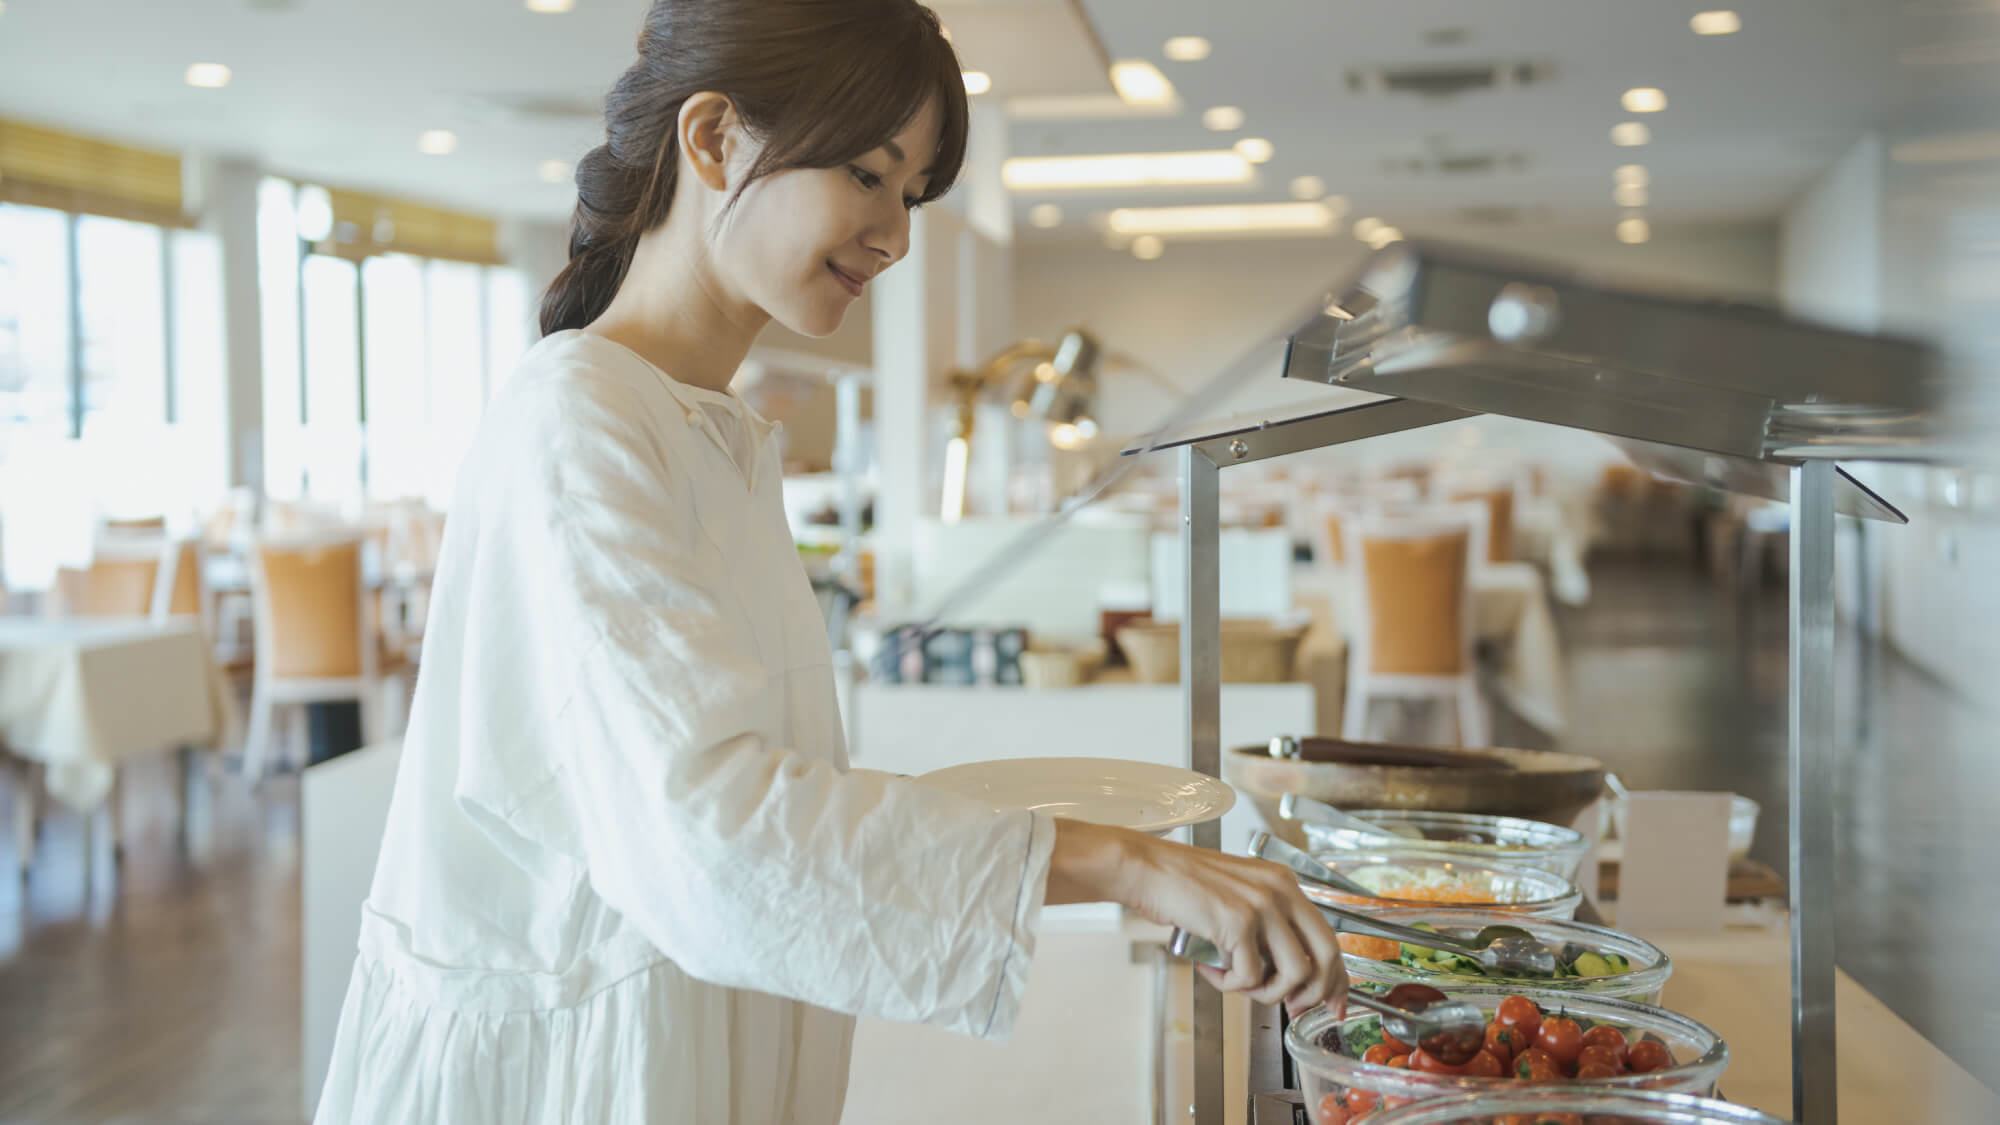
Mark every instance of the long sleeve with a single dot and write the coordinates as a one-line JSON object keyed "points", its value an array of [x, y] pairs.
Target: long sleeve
{"points": [[749, 864]]}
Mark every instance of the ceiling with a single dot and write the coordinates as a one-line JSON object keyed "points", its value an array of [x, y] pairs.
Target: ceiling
{"points": [[339, 90]]}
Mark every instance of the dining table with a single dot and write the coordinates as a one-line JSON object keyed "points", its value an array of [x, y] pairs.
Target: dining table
{"points": [[80, 697]]}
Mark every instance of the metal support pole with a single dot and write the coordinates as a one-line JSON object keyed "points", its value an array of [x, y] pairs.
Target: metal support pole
{"points": [[1815, 1088], [1201, 694]]}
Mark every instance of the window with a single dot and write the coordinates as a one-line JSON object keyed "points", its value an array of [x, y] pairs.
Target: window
{"points": [[392, 287], [200, 388], [457, 387], [122, 327], [283, 447], [333, 380], [34, 322]]}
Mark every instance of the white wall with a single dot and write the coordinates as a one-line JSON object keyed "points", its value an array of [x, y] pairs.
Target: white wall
{"points": [[1830, 251]]}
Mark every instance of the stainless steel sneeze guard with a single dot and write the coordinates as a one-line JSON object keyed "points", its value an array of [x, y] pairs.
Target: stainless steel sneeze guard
{"points": [[1711, 393]]}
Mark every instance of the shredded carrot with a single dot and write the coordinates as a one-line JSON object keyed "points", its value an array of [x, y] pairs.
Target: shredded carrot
{"points": [[1373, 948]]}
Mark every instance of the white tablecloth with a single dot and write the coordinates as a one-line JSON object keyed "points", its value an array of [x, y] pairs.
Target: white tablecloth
{"points": [[82, 695]]}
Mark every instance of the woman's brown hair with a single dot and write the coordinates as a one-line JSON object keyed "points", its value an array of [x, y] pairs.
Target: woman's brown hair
{"points": [[820, 82]]}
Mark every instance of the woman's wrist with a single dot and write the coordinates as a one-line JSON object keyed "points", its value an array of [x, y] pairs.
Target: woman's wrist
{"points": [[1090, 862]]}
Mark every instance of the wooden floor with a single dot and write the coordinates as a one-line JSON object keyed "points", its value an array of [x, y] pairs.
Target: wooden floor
{"points": [[167, 990]]}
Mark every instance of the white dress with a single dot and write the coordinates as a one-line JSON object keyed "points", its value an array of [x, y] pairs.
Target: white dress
{"points": [[628, 876]]}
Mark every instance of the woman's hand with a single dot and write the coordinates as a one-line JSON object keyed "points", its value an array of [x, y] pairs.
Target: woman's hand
{"points": [[1279, 946]]}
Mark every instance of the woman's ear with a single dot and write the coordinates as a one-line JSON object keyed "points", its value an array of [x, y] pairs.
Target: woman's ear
{"points": [[709, 134]]}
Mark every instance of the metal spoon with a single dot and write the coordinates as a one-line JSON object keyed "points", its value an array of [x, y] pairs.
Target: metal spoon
{"points": [[1507, 950]]}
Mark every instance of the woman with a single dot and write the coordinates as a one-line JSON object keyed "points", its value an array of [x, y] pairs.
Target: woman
{"points": [[627, 875]]}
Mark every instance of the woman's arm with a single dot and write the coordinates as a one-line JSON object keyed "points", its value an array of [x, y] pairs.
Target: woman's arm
{"points": [[1279, 945]]}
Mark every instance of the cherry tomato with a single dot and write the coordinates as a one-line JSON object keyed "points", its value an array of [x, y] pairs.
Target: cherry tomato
{"points": [[1421, 1059], [1379, 1053], [1521, 1014], [1600, 1055], [1400, 1062], [1484, 1065], [1505, 1042], [1536, 1065], [1562, 1038], [1604, 1035], [1331, 1112], [1647, 1056], [1361, 1101], [1395, 1044], [1598, 1069]]}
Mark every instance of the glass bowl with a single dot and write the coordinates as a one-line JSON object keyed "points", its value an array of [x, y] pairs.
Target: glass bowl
{"points": [[1331, 1078], [1406, 879], [1642, 985], [1491, 839], [1544, 1105]]}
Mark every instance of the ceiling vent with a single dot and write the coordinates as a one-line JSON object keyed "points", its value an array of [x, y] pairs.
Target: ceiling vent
{"points": [[1447, 80], [543, 109], [1501, 215]]}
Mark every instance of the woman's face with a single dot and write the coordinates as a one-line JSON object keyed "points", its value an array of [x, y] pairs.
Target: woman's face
{"points": [[803, 243]]}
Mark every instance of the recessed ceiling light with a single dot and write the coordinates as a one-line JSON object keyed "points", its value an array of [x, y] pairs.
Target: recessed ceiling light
{"points": [[551, 7], [1631, 174], [438, 142], [1364, 229], [1186, 48], [1224, 218], [1630, 134], [1223, 118], [555, 171], [1045, 215], [1138, 169], [977, 82], [313, 211], [1634, 231], [1254, 149], [1308, 187], [1338, 204], [1146, 247], [1383, 236], [1644, 99], [208, 75], [1629, 195], [1716, 23], [1139, 82]]}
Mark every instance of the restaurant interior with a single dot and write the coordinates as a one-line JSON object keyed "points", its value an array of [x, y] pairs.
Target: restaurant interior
{"points": [[263, 264]]}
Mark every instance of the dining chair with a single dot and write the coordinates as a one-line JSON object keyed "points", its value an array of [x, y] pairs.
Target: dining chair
{"points": [[317, 637], [1411, 596]]}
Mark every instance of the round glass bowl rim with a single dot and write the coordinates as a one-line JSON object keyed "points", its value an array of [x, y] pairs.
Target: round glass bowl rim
{"points": [[1344, 862], [1685, 1109], [1551, 839], [1301, 1036], [1643, 981]]}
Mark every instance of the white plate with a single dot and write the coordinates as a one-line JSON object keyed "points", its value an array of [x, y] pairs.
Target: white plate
{"points": [[1141, 795]]}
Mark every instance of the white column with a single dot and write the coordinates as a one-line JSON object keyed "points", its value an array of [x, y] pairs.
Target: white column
{"points": [[224, 194], [915, 315]]}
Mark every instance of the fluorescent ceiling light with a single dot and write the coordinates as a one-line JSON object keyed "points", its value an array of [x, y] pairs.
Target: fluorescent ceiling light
{"points": [[1186, 48], [1634, 231], [1141, 83], [1956, 148], [1631, 134], [551, 7], [1716, 23], [1045, 215], [1232, 218], [555, 171], [1146, 247], [1631, 174], [208, 76], [1223, 118], [438, 142], [977, 82], [1644, 99], [1254, 149], [1138, 169], [1083, 107], [1308, 187], [1629, 195]]}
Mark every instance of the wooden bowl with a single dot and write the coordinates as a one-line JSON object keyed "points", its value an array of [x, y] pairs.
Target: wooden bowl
{"points": [[1537, 784]]}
